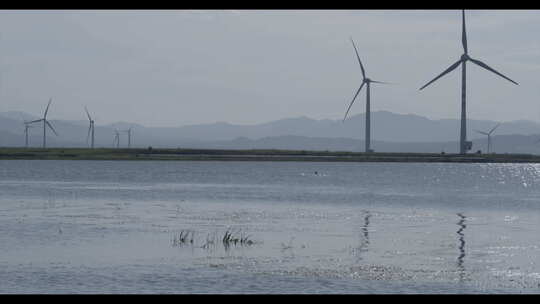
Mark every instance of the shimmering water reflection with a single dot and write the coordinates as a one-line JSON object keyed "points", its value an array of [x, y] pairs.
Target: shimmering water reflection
{"points": [[116, 227]]}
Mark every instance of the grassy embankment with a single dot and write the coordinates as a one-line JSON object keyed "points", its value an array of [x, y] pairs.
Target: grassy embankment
{"points": [[253, 155]]}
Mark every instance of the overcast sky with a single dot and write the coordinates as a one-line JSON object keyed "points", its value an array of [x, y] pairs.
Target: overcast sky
{"points": [[173, 68]]}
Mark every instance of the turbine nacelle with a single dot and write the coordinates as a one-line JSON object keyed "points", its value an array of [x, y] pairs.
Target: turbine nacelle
{"points": [[465, 57]]}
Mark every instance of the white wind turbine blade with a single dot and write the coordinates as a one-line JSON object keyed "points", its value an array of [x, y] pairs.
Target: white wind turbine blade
{"points": [[485, 66], [448, 70], [88, 136], [494, 128], [354, 98], [28, 126], [481, 132], [359, 61], [464, 34], [87, 114], [50, 126], [375, 81], [37, 120], [47, 109]]}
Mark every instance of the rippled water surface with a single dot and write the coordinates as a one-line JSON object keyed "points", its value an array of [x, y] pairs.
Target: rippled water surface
{"points": [[115, 227]]}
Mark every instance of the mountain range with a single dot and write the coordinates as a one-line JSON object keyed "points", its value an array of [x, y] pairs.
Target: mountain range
{"points": [[391, 132]]}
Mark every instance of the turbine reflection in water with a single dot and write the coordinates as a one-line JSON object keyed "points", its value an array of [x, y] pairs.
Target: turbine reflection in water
{"points": [[460, 259], [364, 237]]}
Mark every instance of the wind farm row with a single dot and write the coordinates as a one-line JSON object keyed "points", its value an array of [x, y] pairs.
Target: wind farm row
{"points": [[90, 138], [464, 144]]}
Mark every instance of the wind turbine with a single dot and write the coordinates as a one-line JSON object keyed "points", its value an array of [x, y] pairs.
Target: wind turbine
{"points": [[90, 129], [368, 83], [117, 138], [464, 58], [45, 124], [489, 135], [26, 127], [128, 131]]}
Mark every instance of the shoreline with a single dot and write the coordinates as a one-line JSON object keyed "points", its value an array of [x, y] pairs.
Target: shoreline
{"points": [[254, 155]]}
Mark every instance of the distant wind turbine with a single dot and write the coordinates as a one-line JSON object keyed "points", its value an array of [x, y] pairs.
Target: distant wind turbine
{"points": [[489, 136], [90, 129], [128, 131], [367, 82], [27, 125], [116, 139], [45, 124], [463, 147]]}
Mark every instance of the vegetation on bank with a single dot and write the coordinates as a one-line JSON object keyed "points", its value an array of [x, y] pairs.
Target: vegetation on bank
{"points": [[253, 155]]}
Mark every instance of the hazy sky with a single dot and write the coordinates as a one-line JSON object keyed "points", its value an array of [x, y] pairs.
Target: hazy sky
{"points": [[172, 68]]}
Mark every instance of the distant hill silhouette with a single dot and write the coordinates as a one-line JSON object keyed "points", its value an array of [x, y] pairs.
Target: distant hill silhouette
{"points": [[390, 133]]}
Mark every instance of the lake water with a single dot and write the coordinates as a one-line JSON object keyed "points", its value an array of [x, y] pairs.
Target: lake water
{"points": [[114, 227]]}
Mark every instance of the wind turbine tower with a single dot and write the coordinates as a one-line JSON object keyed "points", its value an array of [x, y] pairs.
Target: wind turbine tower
{"points": [[463, 144], [128, 131], [45, 124], [367, 82], [116, 139], [27, 125]]}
